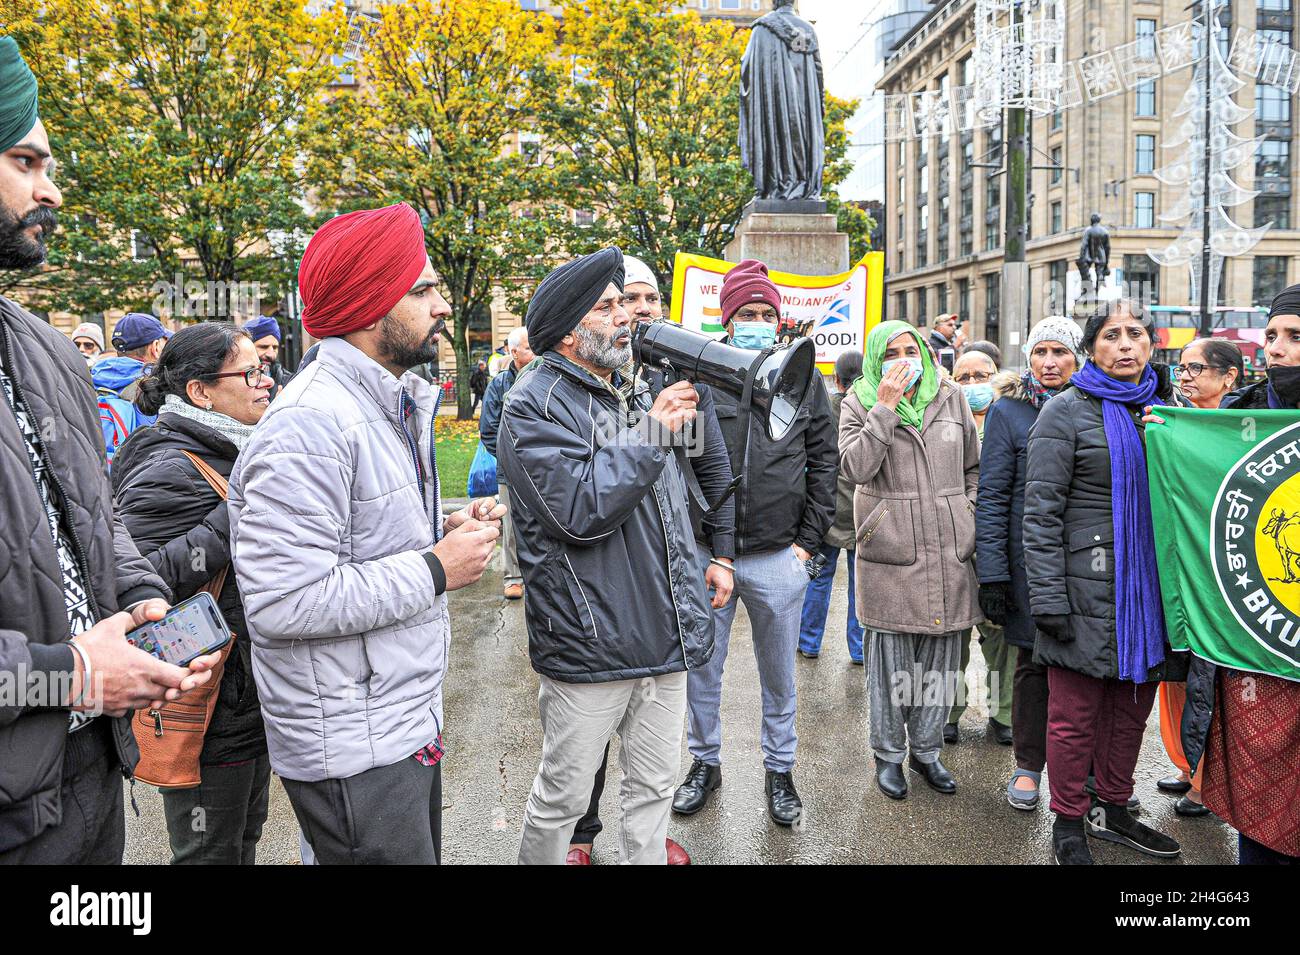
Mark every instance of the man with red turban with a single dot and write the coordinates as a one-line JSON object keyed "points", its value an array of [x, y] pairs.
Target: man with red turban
{"points": [[343, 554]]}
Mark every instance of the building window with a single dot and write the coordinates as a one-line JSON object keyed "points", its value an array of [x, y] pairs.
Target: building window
{"points": [[1146, 37], [943, 229], [1270, 277], [1272, 104], [920, 304], [1146, 98], [991, 234], [1056, 163], [1145, 160], [1056, 278], [1277, 6], [1144, 210], [728, 4], [1055, 122], [992, 305], [963, 298], [1055, 218], [922, 235], [1274, 209], [941, 299], [1142, 279], [902, 306], [1273, 159]]}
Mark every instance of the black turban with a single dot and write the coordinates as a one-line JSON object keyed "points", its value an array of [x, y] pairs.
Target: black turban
{"points": [[17, 95], [569, 293], [1286, 302]]}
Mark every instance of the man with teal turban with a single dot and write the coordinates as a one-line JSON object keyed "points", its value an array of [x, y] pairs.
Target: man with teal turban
{"points": [[76, 583]]}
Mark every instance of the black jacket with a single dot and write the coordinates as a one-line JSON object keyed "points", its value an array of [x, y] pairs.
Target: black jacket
{"points": [[1067, 520], [1202, 675], [489, 416], [1000, 508], [176, 518], [600, 516], [478, 382], [788, 492], [50, 376]]}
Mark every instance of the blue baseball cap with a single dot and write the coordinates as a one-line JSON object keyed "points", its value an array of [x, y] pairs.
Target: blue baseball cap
{"points": [[137, 330]]}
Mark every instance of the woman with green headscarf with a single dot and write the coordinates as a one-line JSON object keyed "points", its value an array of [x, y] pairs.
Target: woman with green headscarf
{"points": [[909, 444]]}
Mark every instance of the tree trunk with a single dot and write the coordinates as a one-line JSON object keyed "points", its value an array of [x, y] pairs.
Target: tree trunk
{"points": [[460, 344]]}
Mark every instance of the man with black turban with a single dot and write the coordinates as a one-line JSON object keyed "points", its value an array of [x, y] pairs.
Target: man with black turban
{"points": [[601, 513], [72, 582]]}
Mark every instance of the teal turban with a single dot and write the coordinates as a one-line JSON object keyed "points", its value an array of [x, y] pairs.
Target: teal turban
{"points": [[17, 95]]}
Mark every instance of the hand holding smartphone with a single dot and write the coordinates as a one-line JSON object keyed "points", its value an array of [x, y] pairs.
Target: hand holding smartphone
{"points": [[192, 628]]}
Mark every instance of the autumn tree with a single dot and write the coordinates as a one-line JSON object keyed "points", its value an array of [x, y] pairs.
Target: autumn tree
{"points": [[445, 89], [176, 127], [645, 120]]}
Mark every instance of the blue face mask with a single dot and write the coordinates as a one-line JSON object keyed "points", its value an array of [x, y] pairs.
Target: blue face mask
{"points": [[913, 363], [978, 396], [754, 335]]}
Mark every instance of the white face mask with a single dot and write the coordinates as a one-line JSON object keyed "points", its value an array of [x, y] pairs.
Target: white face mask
{"points": [[914, 363]]}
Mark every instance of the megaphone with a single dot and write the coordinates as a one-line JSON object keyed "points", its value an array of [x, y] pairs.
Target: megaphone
{"points": [[774, 380]]}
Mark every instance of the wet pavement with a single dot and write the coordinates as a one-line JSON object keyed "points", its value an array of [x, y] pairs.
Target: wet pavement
{"points": [[494, 741]]}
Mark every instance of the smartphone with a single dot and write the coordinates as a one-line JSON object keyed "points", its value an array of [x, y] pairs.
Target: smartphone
{"points": [[947, 358], [191, 628]]}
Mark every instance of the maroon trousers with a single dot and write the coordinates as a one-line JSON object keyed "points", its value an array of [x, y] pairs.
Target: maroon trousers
{"points": [[1093, 725]]}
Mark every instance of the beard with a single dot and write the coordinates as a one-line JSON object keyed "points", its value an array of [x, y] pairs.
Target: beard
{"points": [[18, 250], [611, 351], [405, 347]]}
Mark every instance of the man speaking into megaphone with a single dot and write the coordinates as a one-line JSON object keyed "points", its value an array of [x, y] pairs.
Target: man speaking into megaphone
{"points": [[784, 506]]}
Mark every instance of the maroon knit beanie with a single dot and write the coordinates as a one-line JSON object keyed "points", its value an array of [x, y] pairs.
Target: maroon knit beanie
{"points": [[746, 283]]}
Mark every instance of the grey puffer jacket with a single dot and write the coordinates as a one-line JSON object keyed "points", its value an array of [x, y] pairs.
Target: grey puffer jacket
{"points": [[1069, 538], [601, 518], [51, 378], [329, 527]]}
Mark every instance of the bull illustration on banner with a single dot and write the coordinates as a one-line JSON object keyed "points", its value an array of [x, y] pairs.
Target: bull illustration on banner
{"points": [[835, 311]]}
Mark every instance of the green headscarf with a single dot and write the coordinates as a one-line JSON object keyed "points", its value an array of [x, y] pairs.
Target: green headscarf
{"points": [[17, 95], [910, 410]]}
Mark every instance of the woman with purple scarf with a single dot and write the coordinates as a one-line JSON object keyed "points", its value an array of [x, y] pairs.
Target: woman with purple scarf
{"points": [[1093, 587]]}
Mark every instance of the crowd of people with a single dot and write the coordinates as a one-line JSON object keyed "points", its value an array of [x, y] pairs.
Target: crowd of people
{"points": [[637, 514]]}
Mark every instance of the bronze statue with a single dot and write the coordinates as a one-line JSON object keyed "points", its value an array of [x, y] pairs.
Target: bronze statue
{"points": [[1094, 254], [782, 136]]}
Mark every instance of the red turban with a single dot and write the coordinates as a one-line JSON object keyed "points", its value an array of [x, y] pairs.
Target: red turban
{"points": [[746, 283], [358, 266]]}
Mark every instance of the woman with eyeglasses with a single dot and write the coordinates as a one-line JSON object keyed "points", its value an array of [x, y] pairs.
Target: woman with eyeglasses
{"points": [[1208, 369], [209, 390]]}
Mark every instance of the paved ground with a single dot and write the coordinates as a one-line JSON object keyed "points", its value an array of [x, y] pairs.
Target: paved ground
{"points": [[494, 740]]}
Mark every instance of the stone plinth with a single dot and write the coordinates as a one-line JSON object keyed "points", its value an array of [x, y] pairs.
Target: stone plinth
{"points": [[806, 243]]}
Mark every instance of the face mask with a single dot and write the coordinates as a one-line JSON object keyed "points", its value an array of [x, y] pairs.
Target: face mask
{"points": [[979, 396], [913, 363], [754, 335], [1286, 384]]}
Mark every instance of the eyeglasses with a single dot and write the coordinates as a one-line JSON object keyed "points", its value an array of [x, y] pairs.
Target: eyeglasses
{"points": [[1193, 369], [974, 378], [252, 377]]}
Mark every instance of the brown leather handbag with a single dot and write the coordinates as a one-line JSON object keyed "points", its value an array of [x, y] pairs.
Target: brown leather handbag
{"points": [[171, 738]]}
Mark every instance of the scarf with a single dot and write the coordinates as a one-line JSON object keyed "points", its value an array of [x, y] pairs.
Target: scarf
{"points": [[1139, 614], [1036, 393], [235, 432], [910, 410]]}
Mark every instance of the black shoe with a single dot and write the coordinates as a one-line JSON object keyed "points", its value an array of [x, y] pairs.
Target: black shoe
{"points": [[1173, 785], [1185, 807], [890, 779], [1090, 787], [1116, 824], [950, 733], [693, 794], [1001, 734], [808, 656], [1069, 847], [783, 803], [939, 778]]}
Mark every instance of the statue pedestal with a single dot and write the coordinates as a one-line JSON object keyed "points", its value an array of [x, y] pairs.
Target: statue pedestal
{"points": [[790, 236]]}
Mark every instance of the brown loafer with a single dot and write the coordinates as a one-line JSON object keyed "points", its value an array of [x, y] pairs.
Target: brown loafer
{"points": [[514, 591], [577, 857], [676, 854]]}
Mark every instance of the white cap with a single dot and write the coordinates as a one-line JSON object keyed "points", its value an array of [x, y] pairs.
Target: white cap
{"points": [[634, 271]]}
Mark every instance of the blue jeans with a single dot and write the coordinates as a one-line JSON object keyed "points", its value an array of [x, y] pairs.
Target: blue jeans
{"points": [[817, 601]]}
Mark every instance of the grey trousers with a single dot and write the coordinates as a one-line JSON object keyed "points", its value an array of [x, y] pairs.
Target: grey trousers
{"points": [[911, 679], [772, 586], [577, 721], [509, 551]]}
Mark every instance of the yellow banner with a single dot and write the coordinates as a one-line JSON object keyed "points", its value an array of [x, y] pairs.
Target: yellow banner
{"points": [[842, 308]]}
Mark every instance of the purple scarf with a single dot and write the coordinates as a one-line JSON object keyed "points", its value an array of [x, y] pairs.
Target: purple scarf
{"points": [[1139, 614]]}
